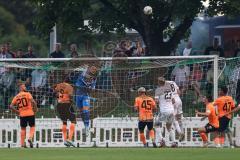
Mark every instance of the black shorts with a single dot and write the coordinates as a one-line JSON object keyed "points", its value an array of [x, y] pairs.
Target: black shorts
{"points": [[223, 123], [143, 124], [210, 128], [66, 112], [28, 120]]}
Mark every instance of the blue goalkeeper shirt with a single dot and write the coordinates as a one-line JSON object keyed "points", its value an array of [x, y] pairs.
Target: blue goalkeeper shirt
{"points": [[85, 82]]}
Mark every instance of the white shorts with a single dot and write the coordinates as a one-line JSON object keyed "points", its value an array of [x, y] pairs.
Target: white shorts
{"points": [[164, 117], [178, 108]]}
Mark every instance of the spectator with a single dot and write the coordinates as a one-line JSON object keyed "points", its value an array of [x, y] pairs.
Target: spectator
{"points": [[195, 78], [215, 49], [180, 75], [38, 83], [209, 85], [57, 53], [7, 86], [237, 50], [8, 49], [19, 53], [122, 47], [73, 49], [24, 75], [138, 50], [197, 73], [188, 49], [4, 53], [30, 53], [128, 44], [225, 75]]}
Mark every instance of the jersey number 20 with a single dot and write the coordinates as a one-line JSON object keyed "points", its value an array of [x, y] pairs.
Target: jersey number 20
{"points": [[22, 102]]}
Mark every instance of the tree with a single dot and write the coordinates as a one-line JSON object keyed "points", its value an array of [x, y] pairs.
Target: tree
{"points": [[9, 25], [161, 31], [22, 10]]}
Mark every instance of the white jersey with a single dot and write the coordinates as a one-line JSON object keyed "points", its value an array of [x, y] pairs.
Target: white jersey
{"points": [[174, 89], [165, 98], [178, 102]]}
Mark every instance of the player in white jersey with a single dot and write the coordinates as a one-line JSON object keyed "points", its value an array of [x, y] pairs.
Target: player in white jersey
{"points": [[177, 108], [164, 97]]}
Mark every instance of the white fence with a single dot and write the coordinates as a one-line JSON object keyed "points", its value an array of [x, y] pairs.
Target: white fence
{"points": [[106, 132]]}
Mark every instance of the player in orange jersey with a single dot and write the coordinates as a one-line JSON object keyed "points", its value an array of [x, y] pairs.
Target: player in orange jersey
{"points": [[213, 122], [145, 106], [225, 104], [65, 110], [24, 104]]}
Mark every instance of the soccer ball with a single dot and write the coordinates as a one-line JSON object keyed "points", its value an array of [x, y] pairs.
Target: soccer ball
{"points": [[147, 10]]}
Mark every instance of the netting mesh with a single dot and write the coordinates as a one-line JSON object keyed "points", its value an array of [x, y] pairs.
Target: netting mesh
{"points": [[117, 82]]}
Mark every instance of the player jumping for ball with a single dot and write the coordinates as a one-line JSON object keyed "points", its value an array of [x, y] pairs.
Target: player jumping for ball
{"points": [[164, 97], [85, 83], [65, 110]]}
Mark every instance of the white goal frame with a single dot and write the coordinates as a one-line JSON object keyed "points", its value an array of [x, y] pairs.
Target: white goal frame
{"points": [[9, 126]]}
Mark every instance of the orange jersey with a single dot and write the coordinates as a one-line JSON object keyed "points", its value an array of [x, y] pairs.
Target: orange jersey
{"points": [[65, 92], [213, 116], [224, 104], [145, 106], [23, 101]]}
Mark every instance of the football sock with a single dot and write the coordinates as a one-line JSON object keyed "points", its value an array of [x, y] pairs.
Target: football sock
{"points": [[86, 117], [229, 135], [64, 131], [216, 140], [32, 131], [23, 136], [151, 135], [158, 135], [178, 129], [171, 135], [180, 124], [204, 137], [71, 132], [221, 139], [142, 138]]}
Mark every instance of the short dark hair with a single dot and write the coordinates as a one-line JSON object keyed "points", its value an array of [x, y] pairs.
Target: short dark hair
{"points": [[224, 89], [209, 98]]}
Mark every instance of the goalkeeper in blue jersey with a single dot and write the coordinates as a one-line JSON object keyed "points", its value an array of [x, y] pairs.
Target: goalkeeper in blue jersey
{"points": [[85, 83]]}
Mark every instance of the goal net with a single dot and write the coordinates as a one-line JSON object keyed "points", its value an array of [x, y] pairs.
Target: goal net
{"points": [[117, 81]]}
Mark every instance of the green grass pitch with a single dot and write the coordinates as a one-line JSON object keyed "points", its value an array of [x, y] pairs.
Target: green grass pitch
{"points": [[120, 154]]}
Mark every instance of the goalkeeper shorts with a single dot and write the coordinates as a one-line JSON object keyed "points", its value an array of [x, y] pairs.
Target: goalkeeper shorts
{"points": [[82, 101]]}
